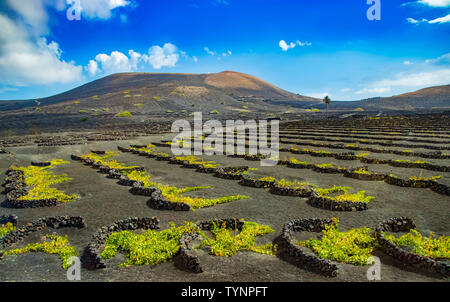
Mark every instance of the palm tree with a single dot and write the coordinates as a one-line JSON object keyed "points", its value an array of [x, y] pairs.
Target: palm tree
{"points": [[327, 102]]}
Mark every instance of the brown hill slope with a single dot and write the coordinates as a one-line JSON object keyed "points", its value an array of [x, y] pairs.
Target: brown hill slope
{"points": [[161, 92], [437, 97]]}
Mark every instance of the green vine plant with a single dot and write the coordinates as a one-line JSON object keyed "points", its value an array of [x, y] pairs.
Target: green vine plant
{"points": [[5, 229], [155, 247], [149, 248], [411, 162], [297, 162], [150, 149], [294, 184], [345, 196], [175, 194], [362, 171], [314, 151], [171, 193], [325, 165], [124, 114], [193, 160], [104, 160], [421, 178], [432, 246], [228, 242], [355, 246], [53, 245], [41, 180]]}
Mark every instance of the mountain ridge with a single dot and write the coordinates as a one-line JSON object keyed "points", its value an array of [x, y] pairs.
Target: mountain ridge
{"points": [[224, 91], [167, 85]]}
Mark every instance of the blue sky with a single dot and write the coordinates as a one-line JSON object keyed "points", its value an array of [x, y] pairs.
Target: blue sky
{"points": [[314, 48]]}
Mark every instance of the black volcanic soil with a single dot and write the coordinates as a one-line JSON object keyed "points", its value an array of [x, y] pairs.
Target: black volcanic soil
{"points": [[103, 201]]}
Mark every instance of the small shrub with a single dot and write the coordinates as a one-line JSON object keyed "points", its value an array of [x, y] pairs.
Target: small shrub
{"points": [[362, 171], [293, 184], [228, 242], [268, 179], [354, 246], [41, 180], [150, 248], [5, 229], [325, 166], [432, 247], [420, 178], [345, 196], [124, 114], [297, 162], [52, 245]]}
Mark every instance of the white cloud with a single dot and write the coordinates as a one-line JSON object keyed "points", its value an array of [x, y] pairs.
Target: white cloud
{"points": [[32, 13], [373, 90], [92, 68], [101, 9], [442, 60], [285, 46], [115, 62], [435, 3], [220, 2], [214, 53], [135, 57], [210, 52], [319, 95], [445, 19], [195, 59], [441, 20], [166, 56], [420, 79], [407, 63], [26, 59], [227, 54], [8, 89], [414, 21]]}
